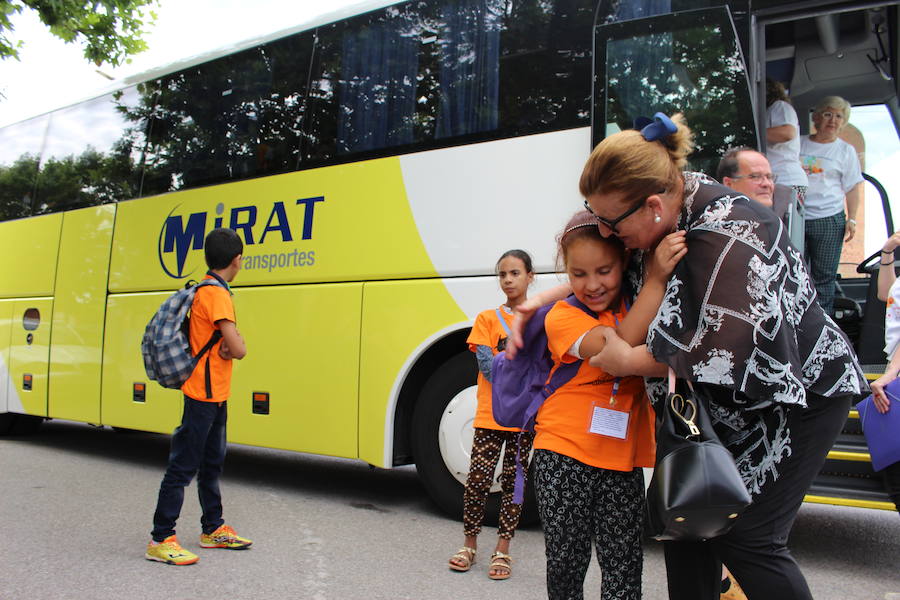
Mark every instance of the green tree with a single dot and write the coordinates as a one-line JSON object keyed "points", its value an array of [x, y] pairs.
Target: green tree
{"points": [[110, 30]]}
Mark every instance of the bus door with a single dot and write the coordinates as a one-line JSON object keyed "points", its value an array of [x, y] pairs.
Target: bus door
{"points": [[687, 61], [29, 353], [5, 335]]}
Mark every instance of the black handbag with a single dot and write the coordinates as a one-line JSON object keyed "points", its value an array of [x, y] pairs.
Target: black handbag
{"points": [[696, 492]]}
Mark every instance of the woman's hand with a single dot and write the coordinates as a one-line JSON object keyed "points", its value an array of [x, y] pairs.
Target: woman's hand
{"points": [[666, 255], [882, 404], [849, 230], [614, 357]]}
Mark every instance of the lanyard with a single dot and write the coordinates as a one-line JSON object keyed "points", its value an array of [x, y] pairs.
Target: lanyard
{"points": [[615, 389]]}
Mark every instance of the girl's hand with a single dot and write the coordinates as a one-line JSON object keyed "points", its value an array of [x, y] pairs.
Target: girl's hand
{"points": [[224, 352], [614, 357], [666, 255], [892, 242], [522, 312], [879, 399]]}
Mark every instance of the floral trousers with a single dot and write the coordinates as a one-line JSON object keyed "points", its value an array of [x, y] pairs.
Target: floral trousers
{"points": [[486, 448]]}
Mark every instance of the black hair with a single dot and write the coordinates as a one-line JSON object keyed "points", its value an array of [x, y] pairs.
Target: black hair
{"points": [[730, 165], [221, 246], [516, 253]]}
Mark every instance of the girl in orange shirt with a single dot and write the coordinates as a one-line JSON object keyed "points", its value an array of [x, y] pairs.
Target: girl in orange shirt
{"points": [[595, 432], [488, 337]]}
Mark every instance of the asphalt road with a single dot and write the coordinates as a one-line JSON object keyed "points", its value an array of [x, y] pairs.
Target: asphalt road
{"points": [[76, 504]]}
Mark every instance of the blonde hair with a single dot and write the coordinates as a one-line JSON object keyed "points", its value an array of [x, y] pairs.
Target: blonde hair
{"points": [[626, 162], [834, 102]]}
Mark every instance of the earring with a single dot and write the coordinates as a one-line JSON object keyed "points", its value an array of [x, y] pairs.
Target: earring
{"points": [[657, 218]]}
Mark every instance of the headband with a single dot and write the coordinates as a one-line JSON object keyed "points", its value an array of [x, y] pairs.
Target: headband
{"points": [[574, 227], [657, 128]]}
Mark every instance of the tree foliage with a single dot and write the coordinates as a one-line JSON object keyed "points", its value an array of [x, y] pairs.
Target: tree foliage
{"points": [[110, 30]]}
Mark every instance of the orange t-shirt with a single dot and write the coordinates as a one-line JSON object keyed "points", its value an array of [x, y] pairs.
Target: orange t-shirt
{"points": [[564, 420], [487, 331], [212, 303]]}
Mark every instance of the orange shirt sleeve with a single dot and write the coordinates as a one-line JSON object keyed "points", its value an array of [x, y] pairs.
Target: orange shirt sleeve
{"points": [[217, 305], [482, 333], [565, 324]]}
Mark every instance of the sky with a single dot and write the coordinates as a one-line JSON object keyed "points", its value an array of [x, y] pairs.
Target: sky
{"points": [[52, 73]]}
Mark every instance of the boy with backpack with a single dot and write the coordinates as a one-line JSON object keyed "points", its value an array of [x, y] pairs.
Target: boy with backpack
{"points": [[198, 444]]}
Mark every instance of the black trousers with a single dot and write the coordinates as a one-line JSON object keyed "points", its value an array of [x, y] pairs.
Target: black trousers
{"points": [[891, 476], [755, 550]]}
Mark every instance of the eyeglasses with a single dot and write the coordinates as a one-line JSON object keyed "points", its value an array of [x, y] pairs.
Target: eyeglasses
{"points": [[828, 115], [612, 224], [757, 177]]}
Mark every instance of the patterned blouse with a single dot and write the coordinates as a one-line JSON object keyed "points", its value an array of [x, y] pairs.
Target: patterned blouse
{"points": [[740, 316]]}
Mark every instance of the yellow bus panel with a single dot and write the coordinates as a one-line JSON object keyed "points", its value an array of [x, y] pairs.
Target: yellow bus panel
{"points": [[29, 353], [29, 248], [78, 308], [303, 353], [344, 223], [398, 316], [160, 409]]}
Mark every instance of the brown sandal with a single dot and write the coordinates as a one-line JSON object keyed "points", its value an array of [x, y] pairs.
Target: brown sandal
{"points": [[464, 555], [500, 561]]}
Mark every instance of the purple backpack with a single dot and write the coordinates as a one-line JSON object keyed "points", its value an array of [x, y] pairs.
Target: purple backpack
{"points": [[520, 385]]}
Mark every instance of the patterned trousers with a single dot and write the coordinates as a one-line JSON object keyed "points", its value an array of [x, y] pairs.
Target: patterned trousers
{"points": [[580, 504], [824, 241], [486, 447]]}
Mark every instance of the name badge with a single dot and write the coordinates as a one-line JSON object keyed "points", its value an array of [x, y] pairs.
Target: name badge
{"points": [[609, 422]]}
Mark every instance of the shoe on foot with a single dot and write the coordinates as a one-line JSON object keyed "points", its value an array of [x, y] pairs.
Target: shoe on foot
{"points": [[224, 537], [463, 559], [501, 566], [734, 591], [169, 551]]}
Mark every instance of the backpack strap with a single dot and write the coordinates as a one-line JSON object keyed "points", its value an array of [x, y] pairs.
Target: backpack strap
{"points": [[503, 321], [213, 339]]}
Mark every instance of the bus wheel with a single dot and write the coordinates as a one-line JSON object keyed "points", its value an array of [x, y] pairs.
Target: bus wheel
{"points": [[16, 424], [7, 420], [442, 433], [442, 440]]}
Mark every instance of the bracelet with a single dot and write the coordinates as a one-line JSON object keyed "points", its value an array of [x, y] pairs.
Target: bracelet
{"points": [[885, 264], [852, 221], [888, 252]]}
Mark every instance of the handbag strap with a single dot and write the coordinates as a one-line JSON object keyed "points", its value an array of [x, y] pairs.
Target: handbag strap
{"points": [[679, 405]]}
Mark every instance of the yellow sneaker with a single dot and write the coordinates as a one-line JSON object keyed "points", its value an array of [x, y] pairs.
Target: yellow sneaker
{"points": [[224, 537], [734, 591], [169, 551]]}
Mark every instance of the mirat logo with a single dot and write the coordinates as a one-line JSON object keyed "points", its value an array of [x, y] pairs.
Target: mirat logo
{"points": [[182, 235]]}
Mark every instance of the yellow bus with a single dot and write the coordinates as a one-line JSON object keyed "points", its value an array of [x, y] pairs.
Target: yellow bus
{"points": [[375, 165]]}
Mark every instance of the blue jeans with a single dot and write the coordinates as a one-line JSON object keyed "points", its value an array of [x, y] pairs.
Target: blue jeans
{"points": [[198, 448]]}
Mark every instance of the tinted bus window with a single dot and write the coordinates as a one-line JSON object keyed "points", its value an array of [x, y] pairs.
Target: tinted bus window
{"points": [[92, 154], [421, 75], [692, 65], [232, 118], [20, 154]]}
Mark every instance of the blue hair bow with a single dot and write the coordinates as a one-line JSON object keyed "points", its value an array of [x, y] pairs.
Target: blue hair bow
{"points": [[657, 128]]}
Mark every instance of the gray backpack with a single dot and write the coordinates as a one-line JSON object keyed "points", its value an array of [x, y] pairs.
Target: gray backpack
{"points": [[166, 344]]}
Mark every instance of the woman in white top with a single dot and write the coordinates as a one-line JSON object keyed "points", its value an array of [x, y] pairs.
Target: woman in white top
{"points": [[783, 152], [889, 291], [834, 177]]}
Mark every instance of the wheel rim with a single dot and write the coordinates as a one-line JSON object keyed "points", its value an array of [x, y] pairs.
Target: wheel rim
{"points": [[455, 434]]}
